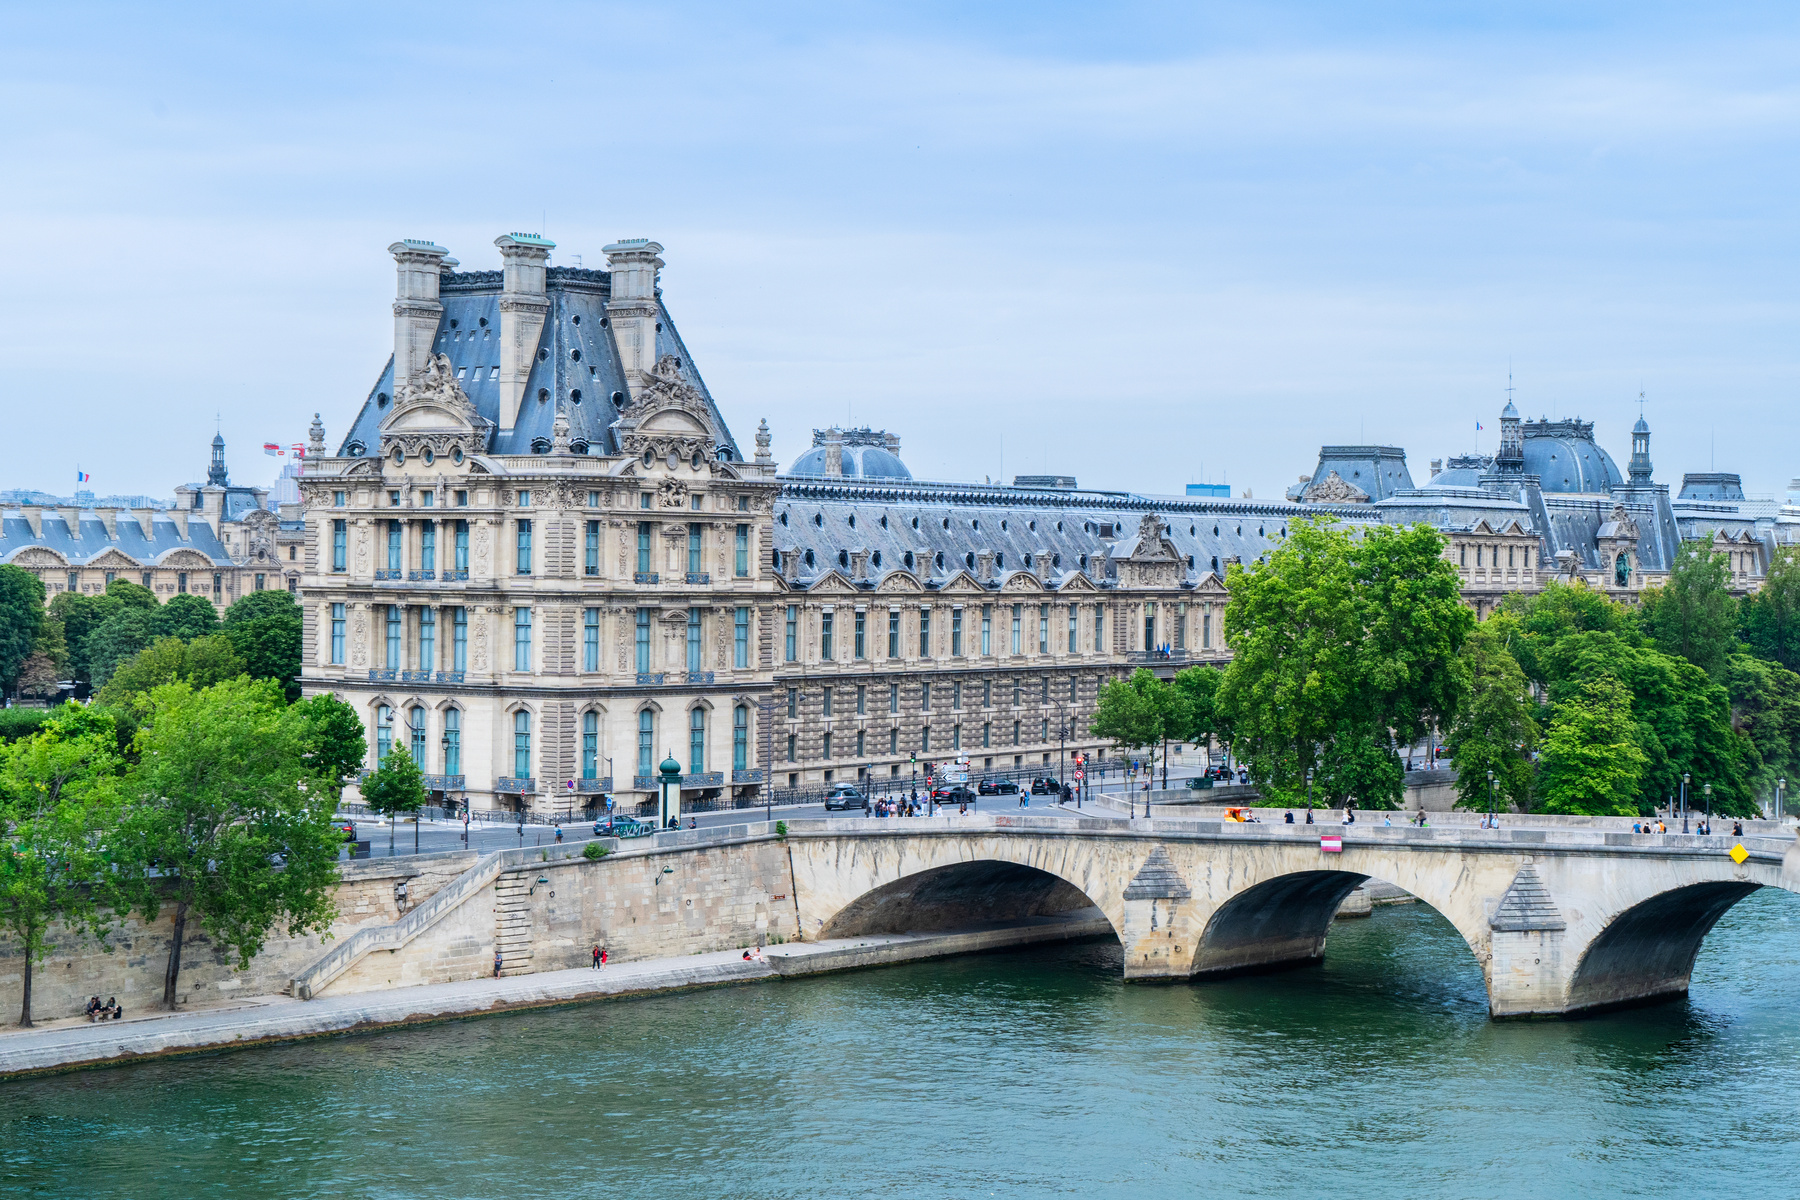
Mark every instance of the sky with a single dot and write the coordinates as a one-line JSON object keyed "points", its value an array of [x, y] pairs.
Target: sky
{"points": [[1145, 245]]}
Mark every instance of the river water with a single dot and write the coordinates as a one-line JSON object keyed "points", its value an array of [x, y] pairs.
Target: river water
{"points": [[1024, 1074]]}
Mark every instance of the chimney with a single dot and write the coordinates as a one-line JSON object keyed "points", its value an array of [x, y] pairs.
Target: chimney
{"points": [[35, 517], [765, 459], [1437, 467], [859, 565], [524, 303], [416, 307], [180, 519], [141, 520], [632, 309], [891, 443], [984, 565], [834, 451], [110, 518], [72, 518], [790, 563]]}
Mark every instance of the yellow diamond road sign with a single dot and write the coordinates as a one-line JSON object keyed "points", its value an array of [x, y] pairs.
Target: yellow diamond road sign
{"points": [[1739, 854]]}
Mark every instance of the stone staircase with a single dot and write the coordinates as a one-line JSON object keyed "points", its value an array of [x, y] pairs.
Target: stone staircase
{"points": [[512, 922]]}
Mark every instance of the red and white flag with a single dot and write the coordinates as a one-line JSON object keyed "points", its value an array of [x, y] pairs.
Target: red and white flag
{"points": [[1331, 843]]}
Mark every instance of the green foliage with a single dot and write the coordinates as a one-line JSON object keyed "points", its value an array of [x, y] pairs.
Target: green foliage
{"points": [[1765, 710], [257, 605], [334, 740], [53, 644], [1693, 615], [1344, 644], [226, 808], [1198, 689], [269, 648], [594, 850], [79, 615], [117, 640], [126, 594], [200, 663], [21, 613], [1137, 711], [59, 795], [1496, 728], [185, 616], [16, 723], [1556, 612], [1591, 759], [781, 831], [395, 786], [1770, 617]]}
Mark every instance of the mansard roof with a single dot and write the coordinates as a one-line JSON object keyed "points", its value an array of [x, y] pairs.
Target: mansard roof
{"points": [[575, 367], [87, 540]]}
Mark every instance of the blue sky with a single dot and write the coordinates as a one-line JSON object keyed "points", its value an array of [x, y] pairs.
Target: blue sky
{"points": [[1142, 244]]}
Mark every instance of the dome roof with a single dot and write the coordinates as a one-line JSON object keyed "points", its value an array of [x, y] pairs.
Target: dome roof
{"points": [[1457, 477], [1642, 426], [1509, 412], [1565, 457], [866, 462]]}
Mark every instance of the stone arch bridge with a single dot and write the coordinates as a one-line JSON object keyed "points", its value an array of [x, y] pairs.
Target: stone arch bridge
{"points": [[1561, 921]]}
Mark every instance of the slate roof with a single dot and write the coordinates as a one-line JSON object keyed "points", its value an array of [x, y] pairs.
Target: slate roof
{"points": [[88, 539], [1565, 457], [1378, 470], [1526, 906]]}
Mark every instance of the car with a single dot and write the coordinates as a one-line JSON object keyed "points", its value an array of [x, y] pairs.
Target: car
{"points": [[997, 787], [1045, 787], [623, 827], [348, 829], [955, 794], [845, 797]]}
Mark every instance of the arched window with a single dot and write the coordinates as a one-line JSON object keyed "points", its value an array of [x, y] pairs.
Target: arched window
{"points": [[590, 745], [453, 741], [646, 741], [521, 745], [697, 742], [384, 732], [740, 737], [415, 721]]}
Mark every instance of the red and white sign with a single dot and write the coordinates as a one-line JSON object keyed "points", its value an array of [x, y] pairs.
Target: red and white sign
{"points": [[1080, 774], [1331, 843]]}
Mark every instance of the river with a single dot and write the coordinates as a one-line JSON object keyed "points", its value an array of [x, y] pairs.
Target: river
{"points": [[1025, 1074]]}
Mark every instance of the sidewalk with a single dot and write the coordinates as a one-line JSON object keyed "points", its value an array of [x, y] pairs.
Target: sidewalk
{"points": [[69, 1044]]}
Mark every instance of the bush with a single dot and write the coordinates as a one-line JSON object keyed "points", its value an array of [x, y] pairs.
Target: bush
{"points": [[781, 830], [16, 723], [594, 850]]}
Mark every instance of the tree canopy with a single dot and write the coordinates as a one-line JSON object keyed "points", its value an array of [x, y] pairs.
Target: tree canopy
{"points": [[1693, 615], [1496, 727], [21, 613], [1591, 759]]}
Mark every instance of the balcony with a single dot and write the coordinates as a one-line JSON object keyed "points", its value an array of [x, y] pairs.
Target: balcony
{"points": [[589, 786], [419, 575], [383, 675], [645, 577], [699, 676], [506, 784], [750, 775], [650, 678], [699, 577], [449, 676], [415, 677], [442, 783], [1152, 657], [450, 575], [709, 779]]}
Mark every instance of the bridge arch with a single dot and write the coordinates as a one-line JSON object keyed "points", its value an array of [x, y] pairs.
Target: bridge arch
{"points": [[1646, 952], [957, 895]]}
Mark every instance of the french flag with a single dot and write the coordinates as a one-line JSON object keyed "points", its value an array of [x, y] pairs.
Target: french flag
{"points": [[82, 477]]}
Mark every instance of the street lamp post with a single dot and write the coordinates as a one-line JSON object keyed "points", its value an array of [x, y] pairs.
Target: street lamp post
{"points": [[1780, 789], [1309, 773], [1708, 791], [1493, 798], [1684, 801]]}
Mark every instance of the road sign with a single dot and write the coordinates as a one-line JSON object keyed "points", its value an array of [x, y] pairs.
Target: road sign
{"points": [[1739, 854], [1079, 775], [1331, 843]]}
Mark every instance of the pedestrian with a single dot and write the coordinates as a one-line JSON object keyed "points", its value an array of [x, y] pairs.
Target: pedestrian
{"points": [[1024, 798], [1290, 817], [559, 833], [1737, 829], [596, 956], [496, 964], [1309, 819], [1637, 827], [603, 958]]}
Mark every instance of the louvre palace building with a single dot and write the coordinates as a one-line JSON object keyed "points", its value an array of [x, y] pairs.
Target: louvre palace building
{"points": [[539, 558]]}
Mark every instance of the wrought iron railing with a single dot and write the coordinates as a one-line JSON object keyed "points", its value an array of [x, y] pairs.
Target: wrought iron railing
{"points": [[415, 676], [699, 676], [508, 784], [645, 577], [383, 675], [417, 575], [449, 676], [699, 577], [650, 678], [449, 575], [442, 783], [648, 783], [584, 786], [384, 573], [749, 775]]}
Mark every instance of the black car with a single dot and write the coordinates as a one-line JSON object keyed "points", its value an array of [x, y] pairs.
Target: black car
{"points": [[959, 794], [348, 829], [844, 797], [997, 787], [1045, 787]]}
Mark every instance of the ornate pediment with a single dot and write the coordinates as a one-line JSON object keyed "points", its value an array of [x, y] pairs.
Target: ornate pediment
{"points": [[669, 420], [1022, 581], [961, 581], [1334, 489], [1619, 527], [432, 412], [901, 581], [831, 581], [114, 560], [38, 556], [1076, 581]]}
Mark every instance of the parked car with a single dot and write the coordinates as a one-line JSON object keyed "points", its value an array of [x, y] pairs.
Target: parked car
{"points": [[844, 797], [1045, 787], [348, 829], [956, 794], [997, 787], [623, 827]]}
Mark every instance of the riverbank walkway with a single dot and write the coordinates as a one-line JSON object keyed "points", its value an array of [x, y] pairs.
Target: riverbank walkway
{"points": [[75, 1043]]}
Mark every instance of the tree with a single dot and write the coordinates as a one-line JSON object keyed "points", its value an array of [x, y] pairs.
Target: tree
{"points": [[119, 638], [21, 613], [1199, 689], [1765, 711], [269, 648], [126, 594], [1414, 624], [257, 605], [226, 809], [1138, 712], [395, 787], [200, 663], [1496, 728], [1591, 761], [185, 616], [78, 615], [1693, 615], [335, 741], [1560, 610], [1770, 616], [59, 796]]}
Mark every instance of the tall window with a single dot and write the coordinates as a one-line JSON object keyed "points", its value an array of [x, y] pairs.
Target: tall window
{"points": [[925, 740], [218, 582], [1043, 629], [524, 528], [415, 721], [521, 745], [393, 637], [693, 539], [862, 650], [459, 639], [593, 547], [1072, 689], [453, 741], [793, 623], [987, 733], [693, 639], [1181, 627], [462, 547], [893, 741], [893, 634], [862, 700], [740, 737], [590, 639], [643, 641], [956, 737], [393, 546], [956, 633], [987, 629], [643, 548], [740, 638], [1017, 618], [337, 634], [861, 744], [893, 697], [339, 544], [791, 743], [1206, 631], [1074, 630], [956, 694], [180, 581], [924, 633], [825, 704], [1149, 626], [646, 740], [384, 732], [697, 742], [925, 697], [1099, 629], [825, 636], [987, 693], [590, 745], [1015, 733], [521, 639], [427, 638], [428, 546], [793, 703], [743, 551], [825, 748]]}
